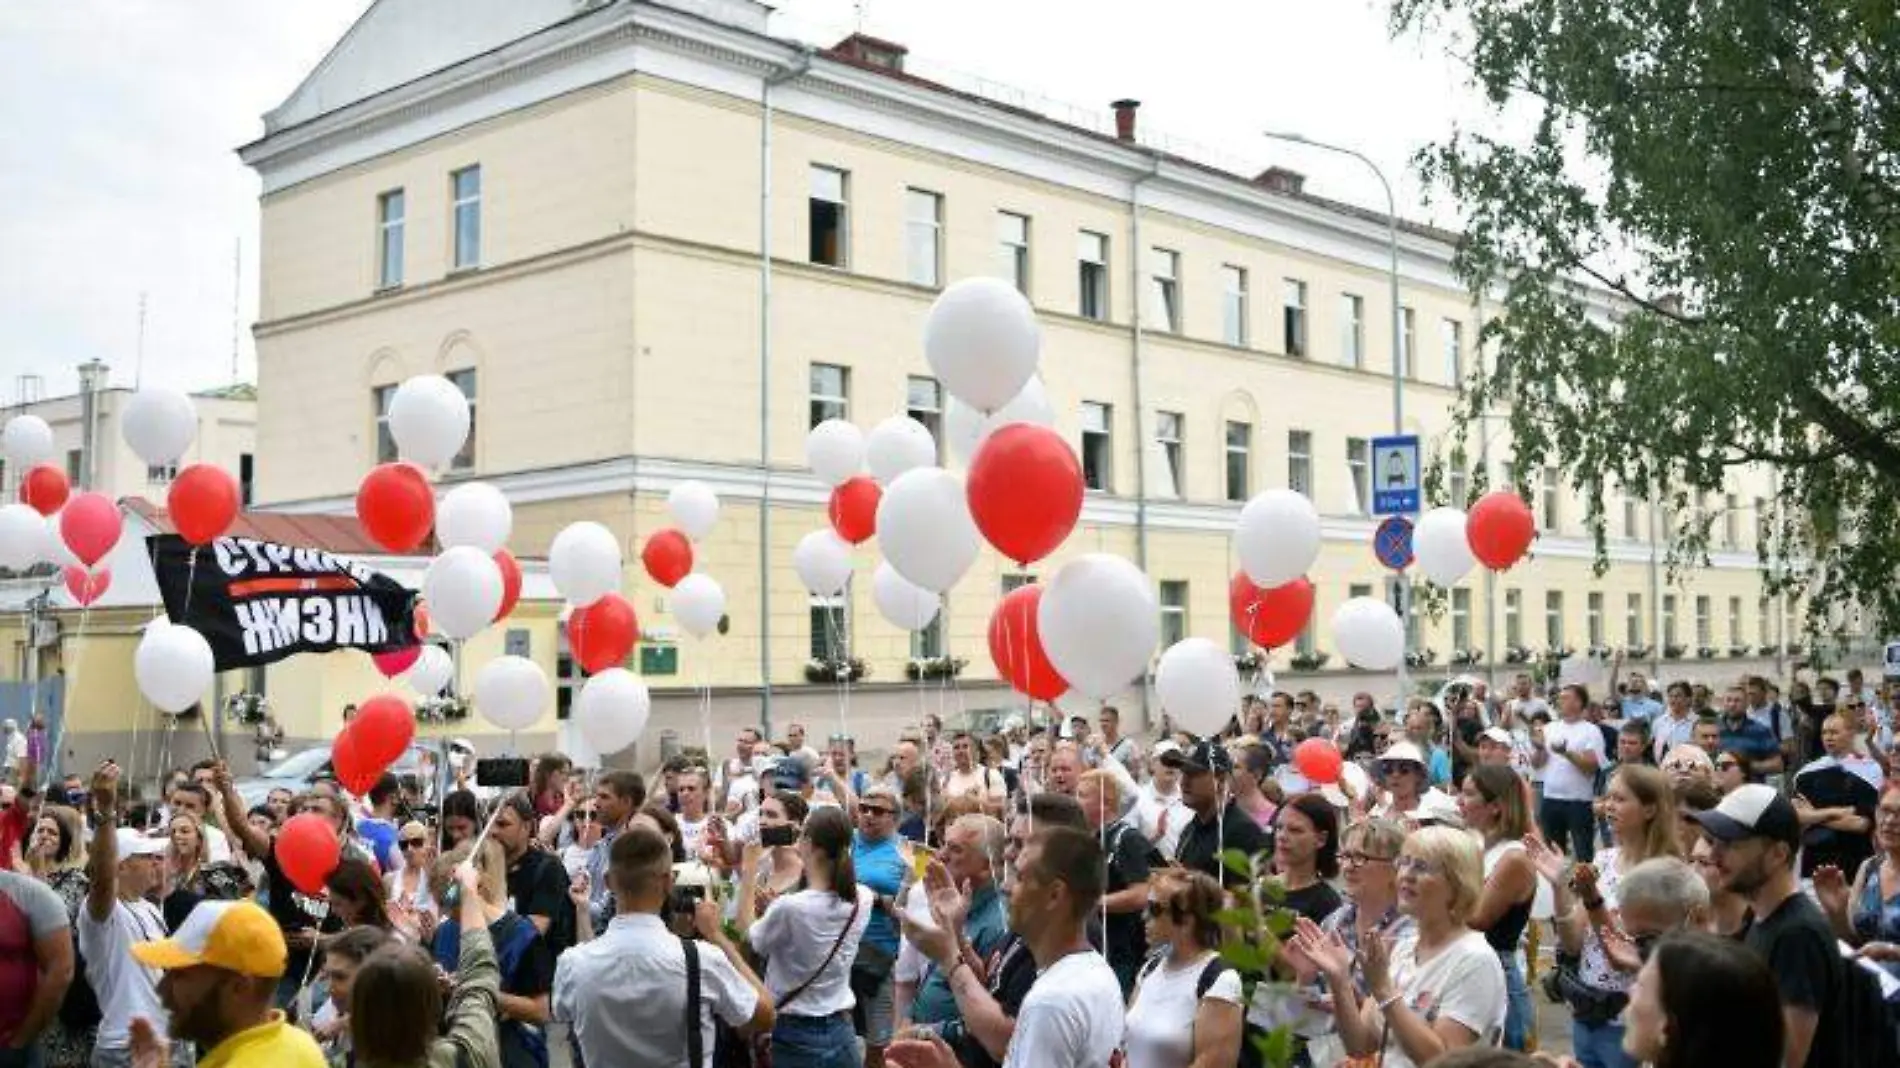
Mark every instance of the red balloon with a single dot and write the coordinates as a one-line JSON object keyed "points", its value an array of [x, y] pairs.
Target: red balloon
{"points": [[603, 633], [45, 488], [203, 502], [384, 726], [1016, 646], [396, 506], [90, 526], [397, 661], [668, 557], [853, 508], [1499, 529], [1318, 759], [1269, 618], [510, 582], [1025, 491], [86, 586], [307, 850], [353, 771]]}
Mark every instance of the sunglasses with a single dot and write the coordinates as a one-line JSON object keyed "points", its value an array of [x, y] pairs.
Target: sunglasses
{"points": [[875, 810], [414, 843], [585, 816]]}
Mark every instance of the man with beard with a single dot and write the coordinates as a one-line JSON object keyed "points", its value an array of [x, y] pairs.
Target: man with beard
{"points": [[1756, 834], [1219, 823], [221, 972]]}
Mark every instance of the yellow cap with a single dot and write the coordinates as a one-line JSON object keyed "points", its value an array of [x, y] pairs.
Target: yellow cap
{"points": [[237, 936]]}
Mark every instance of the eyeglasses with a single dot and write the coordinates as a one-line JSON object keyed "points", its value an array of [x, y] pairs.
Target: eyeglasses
{"points": [[875, 810], [1416, 866], [1884, 813], [1726, 765], [414, 843], [1356, 859]]}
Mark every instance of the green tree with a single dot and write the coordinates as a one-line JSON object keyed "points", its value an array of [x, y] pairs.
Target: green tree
{"points": [[1698, 246]]}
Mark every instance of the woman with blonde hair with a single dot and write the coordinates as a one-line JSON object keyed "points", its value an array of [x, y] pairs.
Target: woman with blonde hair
{"points": [[412, 902], [189, 867], [1427, 995]]}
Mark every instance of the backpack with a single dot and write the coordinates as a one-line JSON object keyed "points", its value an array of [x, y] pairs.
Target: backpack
{"points": [[1870, 1025], [1210, 973]]}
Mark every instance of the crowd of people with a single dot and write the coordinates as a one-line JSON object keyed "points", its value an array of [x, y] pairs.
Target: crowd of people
{"points": [[1714, 887]]}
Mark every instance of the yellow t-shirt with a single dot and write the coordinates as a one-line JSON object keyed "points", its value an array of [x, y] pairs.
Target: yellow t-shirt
{"points": [[274, 1044]]}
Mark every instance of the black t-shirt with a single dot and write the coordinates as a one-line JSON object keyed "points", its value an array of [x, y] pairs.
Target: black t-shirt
{"points": [[1126, 933], [1799, 947], [1833, 786], [537, 884], [292, 911], [1202, 842], [1012, 972], [1314, 902]]}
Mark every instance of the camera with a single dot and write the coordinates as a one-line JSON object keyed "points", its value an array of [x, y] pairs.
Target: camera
{"points": [[783, 835], [503, 772], [692, 883]]}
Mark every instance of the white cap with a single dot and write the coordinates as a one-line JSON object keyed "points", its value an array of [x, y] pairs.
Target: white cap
{"points": [[1498, 735], [1163, 748], [1436, 806], [133, 844], [1398, 751]]}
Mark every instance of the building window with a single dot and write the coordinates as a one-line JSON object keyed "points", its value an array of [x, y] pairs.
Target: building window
{"points": [[1359, 589], [1233, 319], [1761, 521], [1762, 611], [1554, 619], [927, 644], [923, 401], [1735, 622], [1408, 343], [1239, 461], [1304, 643], [466, 187], [1352, 330], [1164, 272], [1299, 461], [1458, 487], [389, 214], [75, 467], [1731, 521], [830, 629], [465, 381], [1594, 606], [1514, 618], [1097, 445], [385, 441], [923, 238], [1359, 469], [1552, 494], [1669, 619], [1630, 504], [1633, 620], [1014, 582], [1012, 240], [1174, 604], [1704, 633], [830, 393], [247, 478], [161, 474], [1168, 440], [1452, 339], [1460, 618], [1293, 316], [828, 216], [1091, 256]]}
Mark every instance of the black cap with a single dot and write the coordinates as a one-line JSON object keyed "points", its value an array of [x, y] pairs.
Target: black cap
{"points": [[1204, 755], [1751, 811]]}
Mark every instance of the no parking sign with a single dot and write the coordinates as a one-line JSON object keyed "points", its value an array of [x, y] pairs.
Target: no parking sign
{"points": [[1392, 544]]}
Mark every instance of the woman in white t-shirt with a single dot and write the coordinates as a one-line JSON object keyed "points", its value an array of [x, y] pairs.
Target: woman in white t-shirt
{"points": [[1440, 989], [1187, 1002], [809, 940]]}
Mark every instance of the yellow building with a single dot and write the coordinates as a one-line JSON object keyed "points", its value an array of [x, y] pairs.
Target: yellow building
{"points": [[654, 242]]}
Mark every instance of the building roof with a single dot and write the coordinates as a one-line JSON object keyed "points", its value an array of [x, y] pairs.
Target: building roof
{"points": [[237, 391], [341, 534]]}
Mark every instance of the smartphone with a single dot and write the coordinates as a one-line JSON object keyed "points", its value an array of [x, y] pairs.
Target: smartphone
{"points": [[501, 771], [782, 835]]}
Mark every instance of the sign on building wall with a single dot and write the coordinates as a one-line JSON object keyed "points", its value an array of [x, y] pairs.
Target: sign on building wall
{"points": [[258, 602]]}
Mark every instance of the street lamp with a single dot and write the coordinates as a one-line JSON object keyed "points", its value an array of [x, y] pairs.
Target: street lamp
{"points": [[1398, 341]]}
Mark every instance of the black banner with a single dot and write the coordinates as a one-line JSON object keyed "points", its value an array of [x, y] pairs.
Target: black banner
{"points": [[258, 602]]}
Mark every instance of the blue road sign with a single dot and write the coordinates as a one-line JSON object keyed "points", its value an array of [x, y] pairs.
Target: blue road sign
{"points": [[1392, 543], [1395, 475]]}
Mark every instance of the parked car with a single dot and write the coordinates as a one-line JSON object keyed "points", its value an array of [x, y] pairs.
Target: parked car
{"points": [[300, 769]]}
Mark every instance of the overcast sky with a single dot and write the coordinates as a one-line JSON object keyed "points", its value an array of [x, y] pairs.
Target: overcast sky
{"points": [[118, 175]]}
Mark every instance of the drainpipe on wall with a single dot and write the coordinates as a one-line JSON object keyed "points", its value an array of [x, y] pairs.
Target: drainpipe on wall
{"points": [[776, 77], [1135, 332]]}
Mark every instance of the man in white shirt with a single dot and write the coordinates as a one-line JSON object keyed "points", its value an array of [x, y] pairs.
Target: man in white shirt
{"points": [[1677, 726], [124, 867], [625, 993], [192, 798], [1571, 755], [1524, 702], [1159, 811], [694, 791], [968, 778], [1125, 750]]}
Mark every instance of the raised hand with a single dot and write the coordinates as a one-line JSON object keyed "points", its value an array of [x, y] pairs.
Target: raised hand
{"points": [[1327, 953], [580, 890], [105, 787], [148, 1050], [1549, 862], [1830, 888], [1375, 960], [949, 905], [928, 1052]]}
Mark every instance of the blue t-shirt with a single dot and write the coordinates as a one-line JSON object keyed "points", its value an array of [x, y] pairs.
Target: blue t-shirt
{"points": [[1644, 707], [881, 867], [381, 836], [1438, 769], [1749, 738]]}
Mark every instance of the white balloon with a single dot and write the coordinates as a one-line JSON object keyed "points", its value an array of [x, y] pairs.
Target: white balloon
{"points": [[431, 672], [823, 562], [694, 507], [967, 429], [55, 551], [174, 666], [982, 342], [896, 445], [476, 514], [22, 537], [429, 418], [699, 603], [584, 562], [463, 589], [27, 441], [612, 710], [1099, 623], [905, 605], [1198, 685], [834, 450], [159, 424], [1438, 541], [925, 529], [1277, 537], [511, 692], [1367, 632]]}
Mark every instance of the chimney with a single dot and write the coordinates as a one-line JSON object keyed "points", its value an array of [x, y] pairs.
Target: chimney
{"points": [[1125, 119], [92, 381], [869, 51], [1282, 180]]}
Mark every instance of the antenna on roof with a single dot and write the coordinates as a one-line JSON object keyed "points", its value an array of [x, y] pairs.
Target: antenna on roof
{"points": [[860, 5]]}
